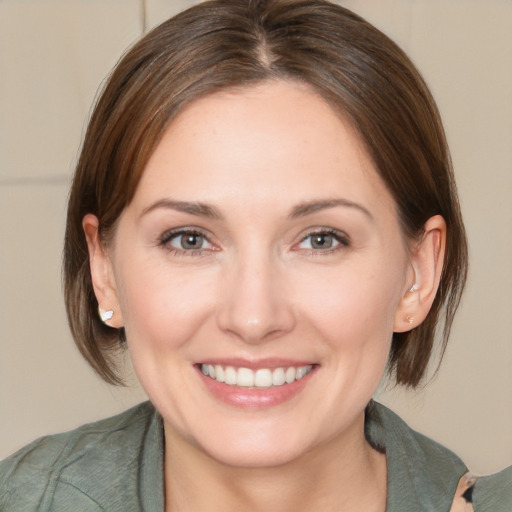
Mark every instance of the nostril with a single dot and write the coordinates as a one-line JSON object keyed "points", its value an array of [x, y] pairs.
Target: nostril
{"points": [[256, 329], [254, 306]]}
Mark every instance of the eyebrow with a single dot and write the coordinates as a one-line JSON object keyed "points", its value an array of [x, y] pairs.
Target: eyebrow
{"points": [[210, 211], [309, 207], [193, 208]]}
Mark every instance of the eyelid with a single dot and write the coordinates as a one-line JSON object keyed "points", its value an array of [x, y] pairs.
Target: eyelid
{"points": [[167, 236], [171, 233], [342, 238]]}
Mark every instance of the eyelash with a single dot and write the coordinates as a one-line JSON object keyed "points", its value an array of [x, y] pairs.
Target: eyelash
{"points": [[341, 238], [167, 237]]}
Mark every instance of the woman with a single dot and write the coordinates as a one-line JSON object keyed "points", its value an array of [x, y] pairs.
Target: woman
{"points": [[264, 214]]}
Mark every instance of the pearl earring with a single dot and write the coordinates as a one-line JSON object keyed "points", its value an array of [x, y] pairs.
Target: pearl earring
{"points": [[105, 314], [414, 287]]}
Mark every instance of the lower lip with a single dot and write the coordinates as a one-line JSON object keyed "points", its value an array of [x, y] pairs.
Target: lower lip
{"points": [[253, 398]]}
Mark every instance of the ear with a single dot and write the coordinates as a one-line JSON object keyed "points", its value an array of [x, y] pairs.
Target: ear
{"points": [[426, 260], [102, 274]]}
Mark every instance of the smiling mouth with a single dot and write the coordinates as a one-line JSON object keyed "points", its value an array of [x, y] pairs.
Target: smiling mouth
{"points": [[260, 379]]}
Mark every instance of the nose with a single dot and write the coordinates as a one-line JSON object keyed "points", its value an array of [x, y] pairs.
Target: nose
{"points": [[256, 305]]}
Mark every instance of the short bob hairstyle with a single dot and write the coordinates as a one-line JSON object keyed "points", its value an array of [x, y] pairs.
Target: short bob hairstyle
{"points": [[221, 44]]}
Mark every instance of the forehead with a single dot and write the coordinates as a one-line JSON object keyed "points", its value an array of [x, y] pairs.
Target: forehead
{"points": [[251, 141]]}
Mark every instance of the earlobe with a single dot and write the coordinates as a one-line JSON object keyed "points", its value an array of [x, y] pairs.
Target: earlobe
{"points": [[427, 258], [101, 274]]}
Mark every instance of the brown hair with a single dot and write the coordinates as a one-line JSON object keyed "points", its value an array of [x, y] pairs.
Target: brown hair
{"points": [[231, 43]]}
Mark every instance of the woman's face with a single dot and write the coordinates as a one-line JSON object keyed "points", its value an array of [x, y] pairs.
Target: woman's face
{"points": [[260, 245]]}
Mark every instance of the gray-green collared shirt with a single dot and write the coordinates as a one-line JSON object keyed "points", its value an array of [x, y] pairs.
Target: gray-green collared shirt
{"points": [[117, 465]]}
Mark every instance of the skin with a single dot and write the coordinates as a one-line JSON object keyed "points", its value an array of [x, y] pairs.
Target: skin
{"points": [[255, 289]]}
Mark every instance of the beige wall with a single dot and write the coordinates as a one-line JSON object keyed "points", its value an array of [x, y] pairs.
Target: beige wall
{"points": [[54, 53]]}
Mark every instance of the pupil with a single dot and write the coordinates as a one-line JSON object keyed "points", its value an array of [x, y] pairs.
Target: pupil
{"points": [[321, 241], [191, 241]]}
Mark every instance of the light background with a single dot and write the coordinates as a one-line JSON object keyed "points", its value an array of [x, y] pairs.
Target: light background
{"points": [[53, 56]]}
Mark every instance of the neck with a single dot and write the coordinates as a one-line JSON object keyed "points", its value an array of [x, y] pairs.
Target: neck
{"points": [[339, 475]]}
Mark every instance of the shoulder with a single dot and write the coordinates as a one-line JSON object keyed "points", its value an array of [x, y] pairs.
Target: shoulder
{"points": [[422, 474], [491, 493], [387, 428], [494, 493], [81, 467]]}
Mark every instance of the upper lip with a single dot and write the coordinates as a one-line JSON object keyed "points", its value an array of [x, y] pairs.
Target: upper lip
{"points": [[255, 364]]}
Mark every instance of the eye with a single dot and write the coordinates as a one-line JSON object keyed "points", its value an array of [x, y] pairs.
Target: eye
{"points": [[189, 241], [323, 241], [186, 241]]}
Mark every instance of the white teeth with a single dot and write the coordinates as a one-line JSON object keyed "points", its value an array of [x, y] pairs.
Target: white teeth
{"points": [[230, 376], [245, 377], [219, 373], [301, 372], [278, 378], [262, 378], [290, 375]]}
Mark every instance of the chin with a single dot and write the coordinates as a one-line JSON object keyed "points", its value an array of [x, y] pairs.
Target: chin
{"points": [[265, 454], [255, 442]]}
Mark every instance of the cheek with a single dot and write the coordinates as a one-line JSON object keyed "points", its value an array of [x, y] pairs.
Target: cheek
{"points": [[163, 308], [351, 300]]}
